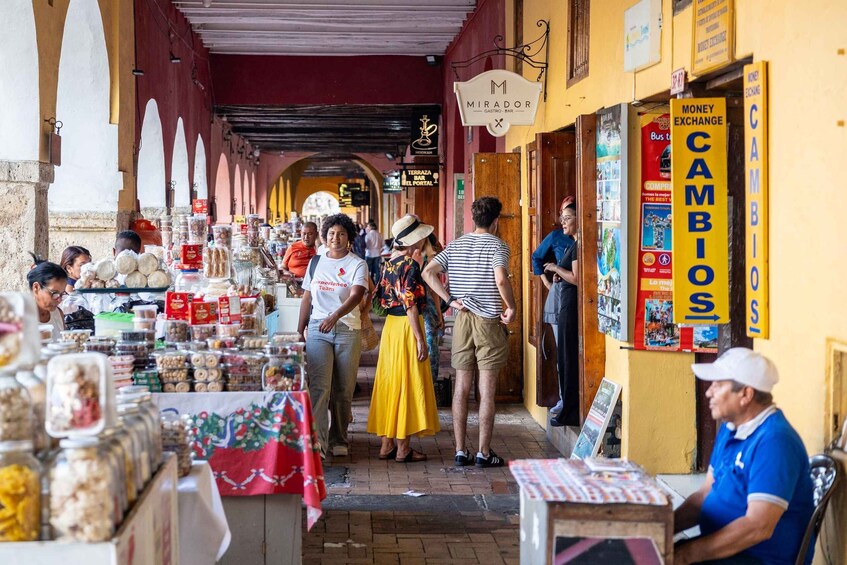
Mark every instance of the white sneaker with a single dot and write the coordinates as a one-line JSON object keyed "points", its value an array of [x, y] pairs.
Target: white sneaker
{"points": [[339, 451]]}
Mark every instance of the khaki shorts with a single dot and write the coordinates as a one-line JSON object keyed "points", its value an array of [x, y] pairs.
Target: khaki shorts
{"points": [[479, 342]]}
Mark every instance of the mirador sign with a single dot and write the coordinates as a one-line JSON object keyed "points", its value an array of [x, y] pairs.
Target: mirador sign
{"points": [[497, 100]]}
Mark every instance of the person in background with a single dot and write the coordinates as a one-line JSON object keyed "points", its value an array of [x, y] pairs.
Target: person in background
{"points": [[566, 272], [432, 314], [330, 311], [299, 253], [757, 499], [127, 239], [478, 267], [73, 258], [359, 242], [403, 399], [552, 249], [373, 251], [47, 282]]}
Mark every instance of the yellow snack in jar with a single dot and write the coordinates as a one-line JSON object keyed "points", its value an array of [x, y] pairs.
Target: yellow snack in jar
{"points": [[20, 497]]}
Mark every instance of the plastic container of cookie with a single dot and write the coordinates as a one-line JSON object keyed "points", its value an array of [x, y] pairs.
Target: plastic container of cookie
{"points": [[176, 331], [247, 387], [205, 359], [170, 359], [208, 375], [228, 330], [202, 332], [174, 375], [252, 342], [78, 394], [137, 336], [234, 358], [220, 343], [104, 345], [148, 311], [19, 336]]}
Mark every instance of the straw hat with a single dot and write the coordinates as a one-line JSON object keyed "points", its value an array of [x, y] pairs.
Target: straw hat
{"points": [[409, 230]]}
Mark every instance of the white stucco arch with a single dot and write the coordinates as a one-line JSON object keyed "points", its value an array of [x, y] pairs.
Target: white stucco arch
{"points": [[19, 115], [151, 160], [200, 169], [179, 168], [88, 179], [238, 192]]}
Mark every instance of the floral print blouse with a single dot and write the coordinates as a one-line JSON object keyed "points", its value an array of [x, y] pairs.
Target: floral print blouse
{"points": [[401, 286]]}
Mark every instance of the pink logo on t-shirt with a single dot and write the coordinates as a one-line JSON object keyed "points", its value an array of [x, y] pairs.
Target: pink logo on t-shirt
{"points": [[341, 271]]}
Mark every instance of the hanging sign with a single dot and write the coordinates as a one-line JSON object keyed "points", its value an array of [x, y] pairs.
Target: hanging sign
{"points": [[678, 82], [612, 250], [655, 329], [424, 141], [714, 28], [756, 215], [391, 182], [700, 228], [419, 178], [497, 99], [642, 42]]}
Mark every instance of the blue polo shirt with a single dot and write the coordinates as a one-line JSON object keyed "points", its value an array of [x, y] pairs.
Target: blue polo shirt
{"points": [[557, 242], [763, 459]]}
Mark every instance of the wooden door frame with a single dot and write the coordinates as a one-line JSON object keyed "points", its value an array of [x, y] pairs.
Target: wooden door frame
{"points": [[592, 358]]}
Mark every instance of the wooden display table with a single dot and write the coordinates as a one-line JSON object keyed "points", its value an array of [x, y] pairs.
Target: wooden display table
{"points": [[571, 513], [148, 535]]}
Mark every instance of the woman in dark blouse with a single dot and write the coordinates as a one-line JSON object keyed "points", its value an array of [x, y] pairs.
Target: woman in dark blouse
{"points": [[403, 400]]}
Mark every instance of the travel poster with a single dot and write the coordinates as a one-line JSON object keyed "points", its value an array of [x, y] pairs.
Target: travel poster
{"points": [[654, 326], [599, 416], [611, 144]]}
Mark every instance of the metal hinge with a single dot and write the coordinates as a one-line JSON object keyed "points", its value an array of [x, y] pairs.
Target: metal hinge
{"points": [[264, 548]]}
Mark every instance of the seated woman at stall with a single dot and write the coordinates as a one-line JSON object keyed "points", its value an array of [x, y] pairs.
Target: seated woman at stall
{"points": [[73, 258], [47, 282]]}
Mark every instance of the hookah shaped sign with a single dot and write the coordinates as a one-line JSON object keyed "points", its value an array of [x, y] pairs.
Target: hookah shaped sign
{"points": [[497, 99]]}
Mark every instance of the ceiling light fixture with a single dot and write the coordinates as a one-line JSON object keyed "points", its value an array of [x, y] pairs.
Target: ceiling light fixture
{"points": [[207, 3], [431, 60], [138, 72], [175, 59], [389, 156]]}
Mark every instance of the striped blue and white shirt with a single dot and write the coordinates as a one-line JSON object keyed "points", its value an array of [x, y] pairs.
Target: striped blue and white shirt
{"points": [[470, 262]]}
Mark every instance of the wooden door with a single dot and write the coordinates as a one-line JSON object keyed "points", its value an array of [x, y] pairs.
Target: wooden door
{"points": [[499, 175], [554, 172], [592, 351]]}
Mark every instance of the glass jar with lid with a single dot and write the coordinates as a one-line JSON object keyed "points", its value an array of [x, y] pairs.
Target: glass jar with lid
{"points": [[81, 481], [130, 417], [132, 470], [37, 391], [190, 280], [117, 460], [177, 438], [141, 397], [15, 410], [20, 492]]}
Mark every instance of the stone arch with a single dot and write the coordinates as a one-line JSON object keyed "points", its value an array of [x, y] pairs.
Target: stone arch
{"points": [[19, 112], [88, 179], [223, 192], [179, 168], [238, 191], [200, 169], [151, 160]]}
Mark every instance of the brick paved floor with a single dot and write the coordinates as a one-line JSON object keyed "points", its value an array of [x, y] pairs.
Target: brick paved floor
{"points": [[467, 515]]}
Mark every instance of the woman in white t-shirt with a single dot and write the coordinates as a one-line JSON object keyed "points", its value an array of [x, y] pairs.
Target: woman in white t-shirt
{"points": [[330, 320]]}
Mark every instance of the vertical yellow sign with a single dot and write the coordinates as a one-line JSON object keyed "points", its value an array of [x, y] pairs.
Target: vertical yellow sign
{"points": [[699, 206], [756, 179]]}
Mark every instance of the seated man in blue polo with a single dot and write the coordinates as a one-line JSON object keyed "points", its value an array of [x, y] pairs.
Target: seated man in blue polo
{"points": [[757, 498]]}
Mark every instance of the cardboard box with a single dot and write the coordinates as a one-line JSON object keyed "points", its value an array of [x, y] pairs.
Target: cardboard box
{"points": [[229, 309], [202, 313], [177, 304]]}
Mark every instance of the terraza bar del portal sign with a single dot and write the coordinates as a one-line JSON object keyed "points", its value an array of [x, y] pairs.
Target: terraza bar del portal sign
{"points": [[419, 178], [497, 99]]}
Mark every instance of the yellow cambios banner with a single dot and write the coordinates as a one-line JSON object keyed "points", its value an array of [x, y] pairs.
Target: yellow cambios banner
{"points": [[699, 205], [756, 178]]}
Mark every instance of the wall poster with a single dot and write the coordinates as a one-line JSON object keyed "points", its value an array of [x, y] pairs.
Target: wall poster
{"points": [[655, 329], [612, 287]]}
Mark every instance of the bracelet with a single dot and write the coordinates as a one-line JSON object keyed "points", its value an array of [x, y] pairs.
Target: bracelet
{"points": [[451, 300]]}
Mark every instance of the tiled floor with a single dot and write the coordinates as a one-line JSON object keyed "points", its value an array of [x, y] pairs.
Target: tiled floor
{"points": [[467, 515]]}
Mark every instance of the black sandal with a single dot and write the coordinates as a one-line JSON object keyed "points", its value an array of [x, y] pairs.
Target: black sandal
{"points": [[390, 455]]}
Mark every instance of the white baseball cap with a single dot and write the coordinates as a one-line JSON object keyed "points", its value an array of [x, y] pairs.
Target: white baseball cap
{"points": [[741, 365]]}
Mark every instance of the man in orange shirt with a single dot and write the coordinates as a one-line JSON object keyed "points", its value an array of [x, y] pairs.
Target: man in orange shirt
{"points": [[298, 254]]}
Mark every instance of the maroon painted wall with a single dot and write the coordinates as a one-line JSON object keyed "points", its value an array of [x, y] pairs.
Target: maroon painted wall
{"points": [[271, 80], [477, 35], [172, 84]]}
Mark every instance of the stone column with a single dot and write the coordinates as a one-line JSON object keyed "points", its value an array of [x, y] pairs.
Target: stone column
{"points": [[23, 218]]}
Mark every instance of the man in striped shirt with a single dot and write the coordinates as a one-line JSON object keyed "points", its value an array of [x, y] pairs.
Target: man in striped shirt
{"points": [[478, 267]]}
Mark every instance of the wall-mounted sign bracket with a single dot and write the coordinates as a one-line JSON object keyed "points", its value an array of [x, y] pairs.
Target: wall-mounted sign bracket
{"points": [[529, 53]]}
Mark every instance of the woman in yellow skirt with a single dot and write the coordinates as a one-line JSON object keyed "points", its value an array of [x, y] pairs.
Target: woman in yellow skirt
{"points": [[403, 400]]}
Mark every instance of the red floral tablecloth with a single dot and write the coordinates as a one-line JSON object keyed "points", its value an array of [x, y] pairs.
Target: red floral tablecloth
{"points": [[256, 442]]}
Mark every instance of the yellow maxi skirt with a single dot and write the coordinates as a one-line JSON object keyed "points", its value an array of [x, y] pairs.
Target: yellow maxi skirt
{"points": [[403, 400]]}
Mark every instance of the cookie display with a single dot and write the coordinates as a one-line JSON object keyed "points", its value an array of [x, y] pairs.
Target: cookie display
{"points": [[216, 263], [76, 389]]}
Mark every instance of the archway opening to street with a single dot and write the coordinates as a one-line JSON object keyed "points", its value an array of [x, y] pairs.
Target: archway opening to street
{"points": [[179, 168], [223, 192], [200, 183], [320, 204], [150, 182], [238, 192], [19, 97]]}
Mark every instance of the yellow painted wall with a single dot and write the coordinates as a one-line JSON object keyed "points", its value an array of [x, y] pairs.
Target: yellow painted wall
{"points": [[808, 87]]}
